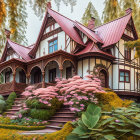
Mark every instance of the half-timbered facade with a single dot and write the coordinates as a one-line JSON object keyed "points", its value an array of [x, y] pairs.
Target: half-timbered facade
{"points": [[65, 48]]}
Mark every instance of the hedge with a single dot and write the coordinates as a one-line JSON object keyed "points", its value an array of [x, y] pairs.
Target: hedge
{"points": [[17, 127]]}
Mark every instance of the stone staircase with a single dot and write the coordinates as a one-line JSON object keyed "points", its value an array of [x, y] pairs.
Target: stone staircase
{"points": [[18, 104], [61, 117]]}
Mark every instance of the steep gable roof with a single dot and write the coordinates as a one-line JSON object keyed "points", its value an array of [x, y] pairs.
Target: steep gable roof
{"points": [[65, 23], [91, 34], [19, 49], [112, 32]]}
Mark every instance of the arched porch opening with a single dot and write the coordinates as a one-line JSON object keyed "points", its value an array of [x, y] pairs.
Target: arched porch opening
{"points": [[36, 75], [103, 76], [68, 69], [20, 76], [51, 72], [7, 75]]}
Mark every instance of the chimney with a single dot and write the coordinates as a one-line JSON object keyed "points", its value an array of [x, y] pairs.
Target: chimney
{"points": [[91, 23], [7, 33], [49, 5], [128, 11]]}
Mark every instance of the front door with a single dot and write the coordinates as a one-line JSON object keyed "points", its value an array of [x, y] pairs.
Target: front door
{"points": [[37, 77], [68, 72], [103, 78], [52, 75]]}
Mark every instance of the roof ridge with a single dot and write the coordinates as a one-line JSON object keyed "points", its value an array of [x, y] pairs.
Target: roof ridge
{"points": [[113, 20]]}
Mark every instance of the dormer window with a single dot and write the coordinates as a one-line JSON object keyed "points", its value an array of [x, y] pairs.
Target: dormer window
{"points": [[53, 45]]}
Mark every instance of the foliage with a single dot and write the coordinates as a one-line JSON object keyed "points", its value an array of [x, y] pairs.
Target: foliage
{"points": [[17, 20], [7, 134], [1, 97], [77, 92], [111, 10], [135, 6], [61, 134], [2, 105], [39, 6], [110, 100], [117, 124], [5, 120], [89, 13], [134, 44], [18, 127], [2, 11], [10, 100], [28, 122], [41, 114]]}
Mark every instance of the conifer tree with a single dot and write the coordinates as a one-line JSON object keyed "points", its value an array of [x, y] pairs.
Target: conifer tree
{"points": [[111, 10], [89, 13]]}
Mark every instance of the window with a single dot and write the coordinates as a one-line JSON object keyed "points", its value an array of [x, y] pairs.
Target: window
{"points": [[53, 46], [127, 53], [68, 72], [7, 76], [124, 76], [22, 77]]}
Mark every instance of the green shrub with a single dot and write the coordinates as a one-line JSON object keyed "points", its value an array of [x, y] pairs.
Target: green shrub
{"points": [[10, 100], [34, 103], [55, 104], [1, 97], [2, 105], [115, 125], [17, 127], [41, 114]]}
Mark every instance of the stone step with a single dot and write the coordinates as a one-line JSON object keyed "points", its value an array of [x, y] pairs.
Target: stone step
{"points": [[11, 112], [54, 127], [62, 120], [14, 109], [57, 123], [12, 116], [64, 115]]}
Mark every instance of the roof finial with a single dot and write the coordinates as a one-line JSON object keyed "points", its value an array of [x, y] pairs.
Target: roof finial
{"points": [[49, 5], [128, 11], [7, 33]]}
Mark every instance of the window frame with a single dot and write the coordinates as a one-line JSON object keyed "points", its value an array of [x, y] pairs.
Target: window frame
{"points": [[125, 71], [52, 40]]}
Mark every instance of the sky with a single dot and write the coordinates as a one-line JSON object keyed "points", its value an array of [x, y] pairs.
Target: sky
{"points": [[34, 23]]}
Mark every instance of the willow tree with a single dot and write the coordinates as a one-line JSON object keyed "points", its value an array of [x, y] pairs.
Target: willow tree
{"points": [[39, 6], [89, 13], [111, 10], [17, 20]]}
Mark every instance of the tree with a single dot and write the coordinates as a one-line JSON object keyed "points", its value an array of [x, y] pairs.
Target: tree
{"points": [[89, 13], [17, 20], [2, 11], [134, 4], [111, 10], [39, 6]]}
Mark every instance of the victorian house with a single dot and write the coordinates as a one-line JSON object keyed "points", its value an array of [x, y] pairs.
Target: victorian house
{"points": [[65, 48]]}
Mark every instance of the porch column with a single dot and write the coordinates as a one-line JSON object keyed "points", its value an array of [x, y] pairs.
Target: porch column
{"points": [[28, 78], [14, 80], [43, 79]]}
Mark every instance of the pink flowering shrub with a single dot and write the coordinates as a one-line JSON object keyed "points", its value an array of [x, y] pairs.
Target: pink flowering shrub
{"points": [[74, 92], [78, 93]]}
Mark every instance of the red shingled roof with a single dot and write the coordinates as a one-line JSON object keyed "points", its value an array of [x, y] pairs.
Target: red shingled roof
{"points": [[19, 49], [65, 23], [91, 34], [92, 48], [112, 32]]}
